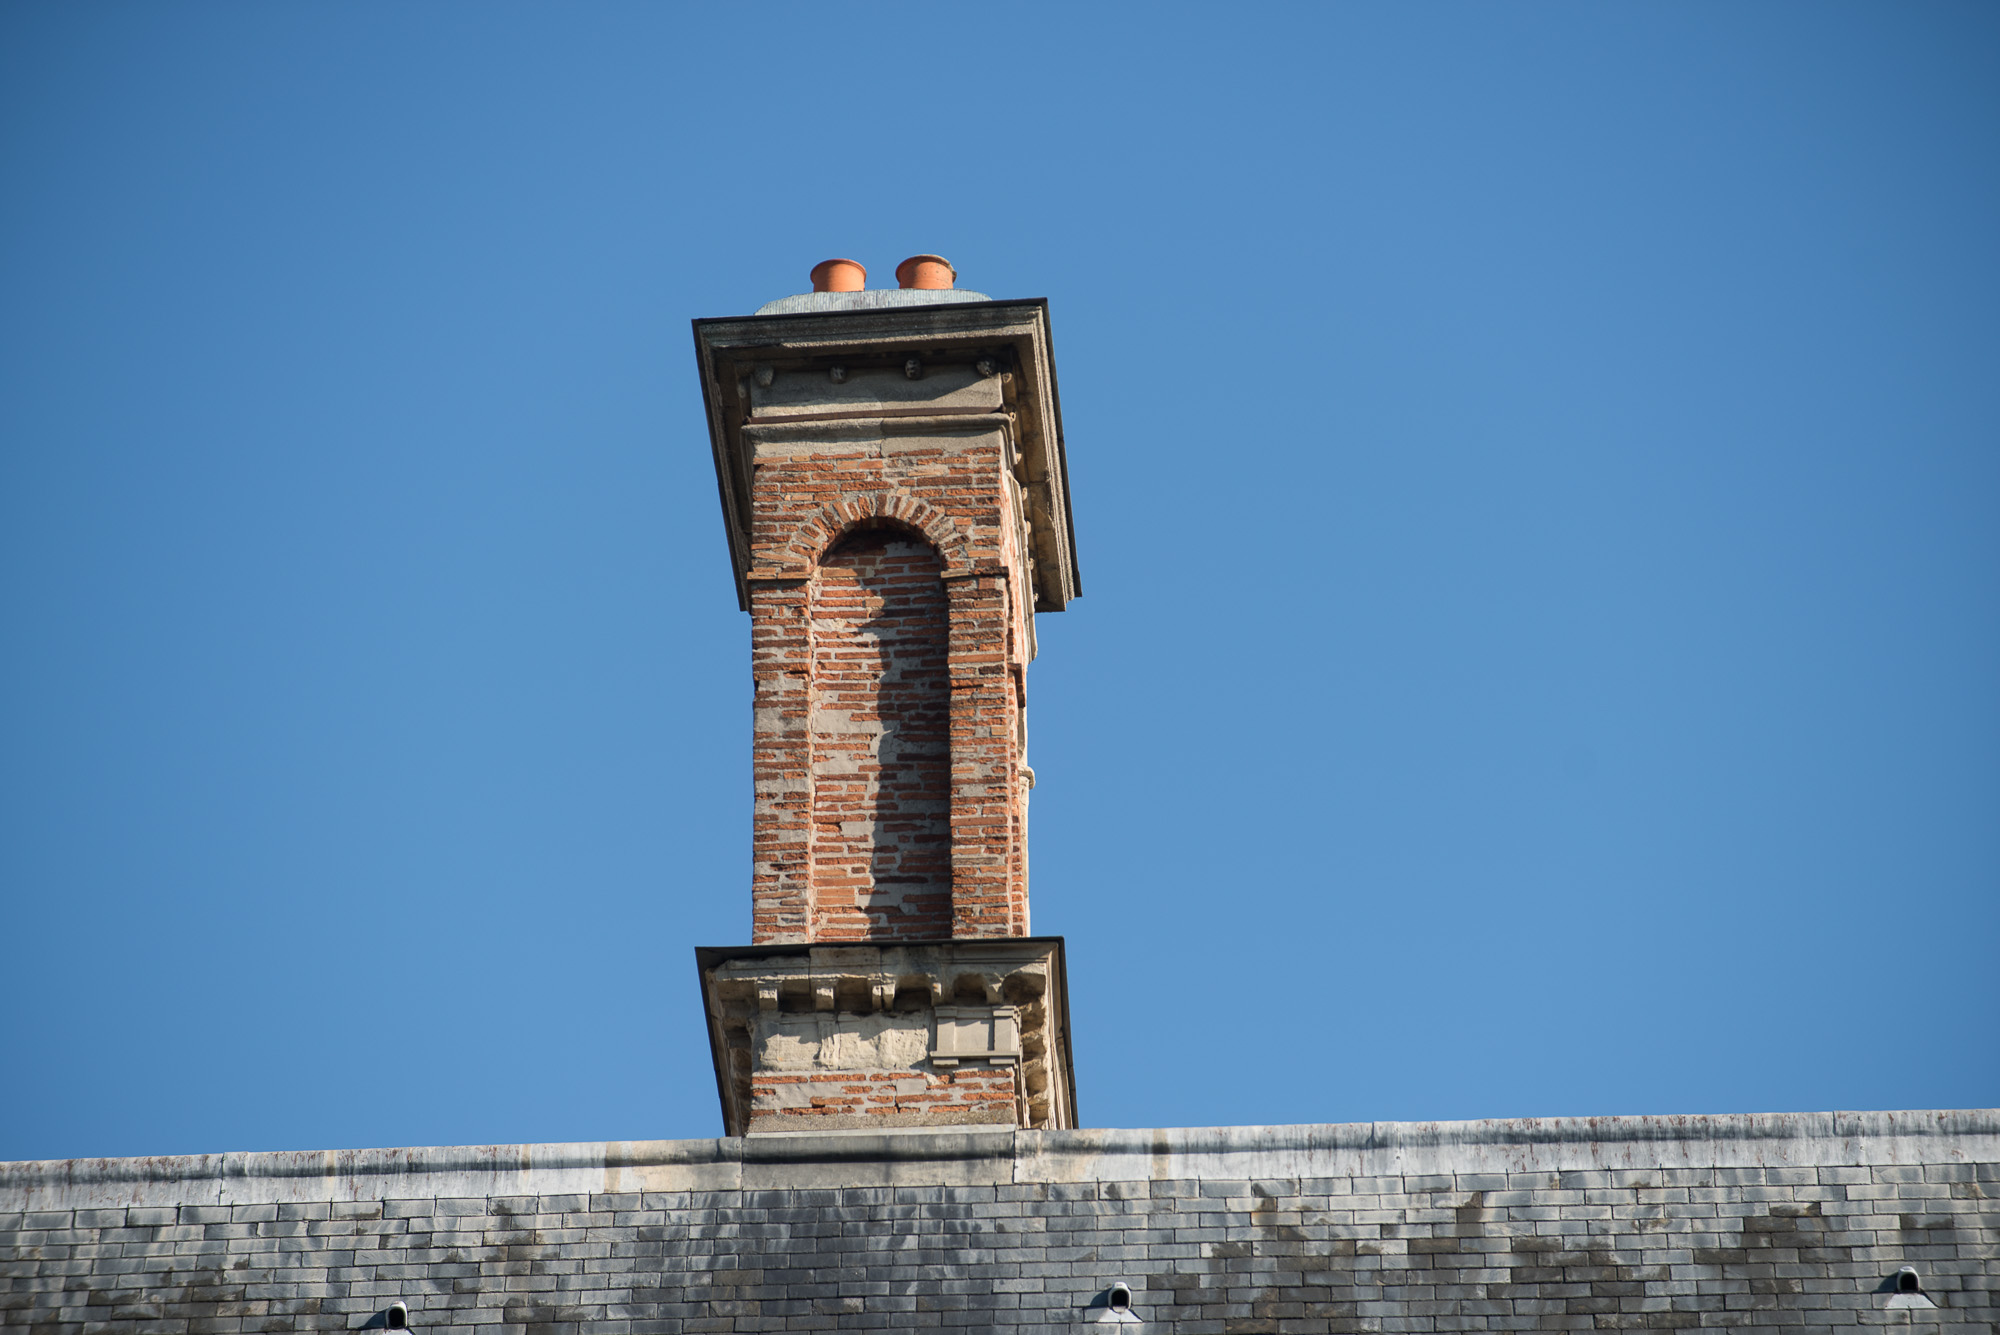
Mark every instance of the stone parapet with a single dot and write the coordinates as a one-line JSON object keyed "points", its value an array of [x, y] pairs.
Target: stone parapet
{"points": [[1781, 1222]]}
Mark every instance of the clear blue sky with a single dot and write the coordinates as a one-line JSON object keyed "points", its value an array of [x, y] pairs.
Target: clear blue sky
{"points": [[1536, 472]]}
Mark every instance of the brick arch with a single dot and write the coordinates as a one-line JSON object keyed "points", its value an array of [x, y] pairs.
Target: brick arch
{"points": [[813, 538]]}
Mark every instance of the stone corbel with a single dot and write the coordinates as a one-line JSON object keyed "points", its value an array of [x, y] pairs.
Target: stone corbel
{"points": [[989, 985]]}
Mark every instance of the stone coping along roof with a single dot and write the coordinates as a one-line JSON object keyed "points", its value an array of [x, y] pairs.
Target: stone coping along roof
{"points": [[822, 1160]]}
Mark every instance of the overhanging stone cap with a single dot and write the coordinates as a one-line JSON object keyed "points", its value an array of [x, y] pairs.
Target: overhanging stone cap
{"points": [[1361, 1149], [1016, 333]]}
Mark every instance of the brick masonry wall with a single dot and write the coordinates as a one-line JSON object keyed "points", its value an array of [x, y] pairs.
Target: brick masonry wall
{"points": [[971, 1095], [881, 741], [1746, 1223], [945, 484]]}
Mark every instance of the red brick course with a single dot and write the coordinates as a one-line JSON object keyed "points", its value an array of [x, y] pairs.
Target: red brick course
{"points": [[982, 1094]]}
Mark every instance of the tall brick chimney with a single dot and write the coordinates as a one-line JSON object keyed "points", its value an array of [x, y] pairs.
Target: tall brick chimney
{"points": [[891, 470]]}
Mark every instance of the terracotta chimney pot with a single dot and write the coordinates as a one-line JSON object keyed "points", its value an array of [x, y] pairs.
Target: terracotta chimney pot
{"points": [[927, 272], [840, 276]]}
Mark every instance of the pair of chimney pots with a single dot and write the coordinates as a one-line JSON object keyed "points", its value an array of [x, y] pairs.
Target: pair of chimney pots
{"points": [[924, 272]]}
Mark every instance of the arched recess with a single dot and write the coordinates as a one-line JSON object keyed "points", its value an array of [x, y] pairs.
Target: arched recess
{"points": [[880, 731]]}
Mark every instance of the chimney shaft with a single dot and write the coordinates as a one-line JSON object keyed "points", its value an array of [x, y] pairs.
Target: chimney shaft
{"points": [[894, 533]]}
